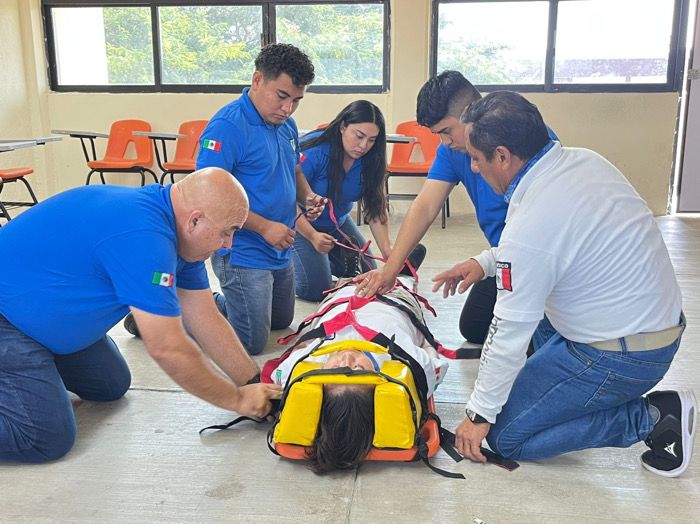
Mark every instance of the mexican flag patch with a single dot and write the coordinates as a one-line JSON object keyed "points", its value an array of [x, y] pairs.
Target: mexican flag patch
{"points": [[211, 144], [162, 279], [503, 280]]}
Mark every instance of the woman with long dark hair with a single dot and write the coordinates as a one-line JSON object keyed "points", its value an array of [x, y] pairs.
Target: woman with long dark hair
{"points": [[345, 162]]}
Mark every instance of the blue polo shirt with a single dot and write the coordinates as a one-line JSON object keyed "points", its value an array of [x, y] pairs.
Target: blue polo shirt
{"points": [[454, 167], [315, 168], [263, 158], [73, 264]]}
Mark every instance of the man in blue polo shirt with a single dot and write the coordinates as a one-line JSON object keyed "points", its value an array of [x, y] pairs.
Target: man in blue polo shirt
{"points": [[441, 102], [255, 139], [115, 249]]}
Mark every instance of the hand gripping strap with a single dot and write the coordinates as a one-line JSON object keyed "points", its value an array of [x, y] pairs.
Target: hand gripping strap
{"points": [[447, 442]]}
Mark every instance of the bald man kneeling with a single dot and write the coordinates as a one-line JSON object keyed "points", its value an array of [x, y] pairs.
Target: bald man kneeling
{"points": [[105, 250]]}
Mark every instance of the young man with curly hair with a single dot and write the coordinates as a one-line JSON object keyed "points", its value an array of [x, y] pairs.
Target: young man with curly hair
{"points": [[256, 140]]}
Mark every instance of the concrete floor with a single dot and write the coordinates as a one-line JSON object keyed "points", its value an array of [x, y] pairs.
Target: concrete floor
{"points": [[141, 459]]}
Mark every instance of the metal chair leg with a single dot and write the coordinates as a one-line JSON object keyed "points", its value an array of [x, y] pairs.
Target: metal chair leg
{"points": [[29, 188], [155, 177], [4, 213]]}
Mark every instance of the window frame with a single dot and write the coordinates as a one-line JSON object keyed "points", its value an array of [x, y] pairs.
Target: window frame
{"points": [[674, 74], [269, 35]]}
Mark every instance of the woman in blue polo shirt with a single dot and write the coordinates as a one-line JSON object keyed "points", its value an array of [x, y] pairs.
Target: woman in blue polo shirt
{"points": [[345, 162]]}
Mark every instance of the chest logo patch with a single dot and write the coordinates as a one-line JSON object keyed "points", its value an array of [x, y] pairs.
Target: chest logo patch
{"points": [[503, 280], [293, 144], [162, 279]]}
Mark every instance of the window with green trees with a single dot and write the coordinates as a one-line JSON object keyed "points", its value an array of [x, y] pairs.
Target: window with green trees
{"points": [[179, 46], [562, 45]]}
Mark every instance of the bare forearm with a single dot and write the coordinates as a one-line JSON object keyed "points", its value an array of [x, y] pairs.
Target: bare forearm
{"points": [[380, 232], [303, 187], [185, 363], [305, 228], [256, 223], [418, 219], [223, 346], [215, 335]]}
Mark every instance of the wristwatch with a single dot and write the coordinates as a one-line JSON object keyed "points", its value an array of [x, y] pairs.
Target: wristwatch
{"points": [[475, 417]]}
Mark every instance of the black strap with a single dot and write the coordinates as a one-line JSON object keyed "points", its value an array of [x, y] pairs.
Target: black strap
{"points": [[417, 323], [232, 423], [423, 452], [447, 437]]}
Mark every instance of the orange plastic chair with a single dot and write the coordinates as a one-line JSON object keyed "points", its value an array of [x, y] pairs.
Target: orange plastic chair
{"points": [[120, 135], [186, 150], [401, 165], [8, 176]]}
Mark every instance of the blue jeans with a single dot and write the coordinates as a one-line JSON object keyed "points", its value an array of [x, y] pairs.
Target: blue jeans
{"points": [[37, 423], [571, 396], [257, 300], [314, 270]]}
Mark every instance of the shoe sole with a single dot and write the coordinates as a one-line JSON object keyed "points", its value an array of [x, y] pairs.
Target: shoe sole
{"points": [[689, 411]]}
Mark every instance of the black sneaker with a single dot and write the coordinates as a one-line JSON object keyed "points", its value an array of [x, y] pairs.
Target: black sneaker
{"points": [[351, 259], [130, 325], [416, 258], [671, 440]]}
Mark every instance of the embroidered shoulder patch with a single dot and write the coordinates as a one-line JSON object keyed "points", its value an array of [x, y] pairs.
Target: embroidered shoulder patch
{"points": [[162, 279], [503, 280], [211, 144]]}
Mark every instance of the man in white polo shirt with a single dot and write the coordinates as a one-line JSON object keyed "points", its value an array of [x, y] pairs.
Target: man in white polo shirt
{"points": [[581, 268]]}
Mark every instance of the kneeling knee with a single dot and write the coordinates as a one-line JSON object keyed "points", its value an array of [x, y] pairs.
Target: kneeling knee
{"points": [[503, 446], [49, 444]]}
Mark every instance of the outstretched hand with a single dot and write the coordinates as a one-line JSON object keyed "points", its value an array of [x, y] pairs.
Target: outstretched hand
{"points": [[376, 281], [459, 278]]}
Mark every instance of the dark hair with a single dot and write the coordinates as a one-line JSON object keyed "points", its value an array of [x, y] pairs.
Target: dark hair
{"points": [[505, 118], [345, 430], [444, 95], [374, 198], [275, 59]]}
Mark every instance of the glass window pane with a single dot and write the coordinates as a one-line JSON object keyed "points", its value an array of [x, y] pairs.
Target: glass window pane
{"points": [[613, 41], [345, 42], [209, 44], [103, 45], [499, 43]]}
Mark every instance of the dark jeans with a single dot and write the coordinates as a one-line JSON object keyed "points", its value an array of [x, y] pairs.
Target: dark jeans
{"points": [[257, 300], [477, 312], [572, 396], [37, 423]]}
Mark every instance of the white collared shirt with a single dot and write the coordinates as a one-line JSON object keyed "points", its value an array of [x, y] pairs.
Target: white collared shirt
{"points": [[581, 246]]}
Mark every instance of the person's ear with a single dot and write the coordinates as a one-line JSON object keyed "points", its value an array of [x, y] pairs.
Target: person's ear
{"points": [[503, 156], [258, 80], [194, 220]]}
